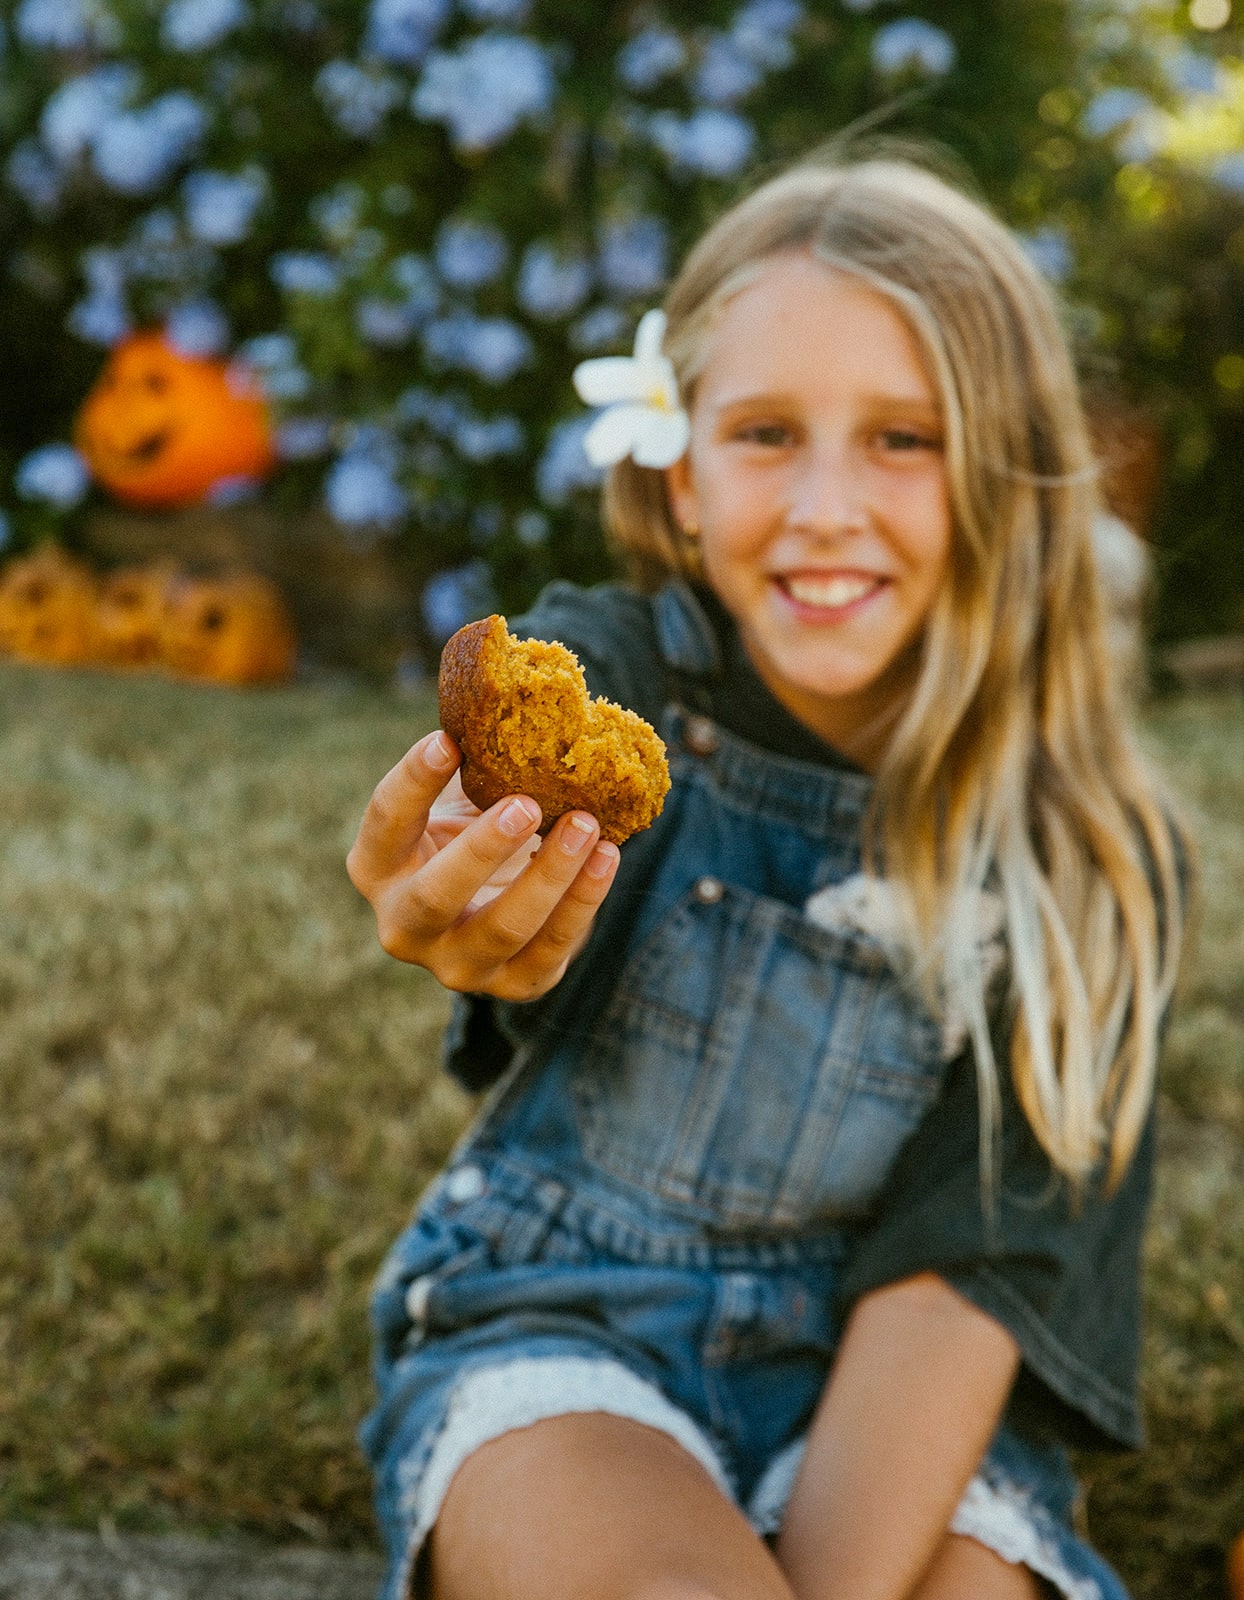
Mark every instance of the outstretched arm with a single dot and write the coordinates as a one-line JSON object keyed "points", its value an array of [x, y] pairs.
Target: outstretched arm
{"points": [[911, 1405]]}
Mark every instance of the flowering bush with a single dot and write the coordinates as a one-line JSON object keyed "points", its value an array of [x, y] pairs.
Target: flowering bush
{"points": [[414, 217]]}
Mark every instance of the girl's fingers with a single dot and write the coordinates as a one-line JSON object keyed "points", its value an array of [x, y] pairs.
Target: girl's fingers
{"points": [[419, 906], [397, 813], [542, 961], [506, 926]]}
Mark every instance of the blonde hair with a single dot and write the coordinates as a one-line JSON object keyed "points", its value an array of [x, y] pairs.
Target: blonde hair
{"points": [[1012, 766]]}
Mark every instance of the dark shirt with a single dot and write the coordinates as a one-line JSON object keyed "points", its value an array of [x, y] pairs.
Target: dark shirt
{"points": [[1060, 1270]]}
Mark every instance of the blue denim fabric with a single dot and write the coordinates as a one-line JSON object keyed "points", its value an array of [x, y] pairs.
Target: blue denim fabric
{"points": [[697, 1118]]}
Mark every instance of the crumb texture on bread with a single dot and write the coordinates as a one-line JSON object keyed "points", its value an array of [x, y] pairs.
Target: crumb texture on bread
{"points": [[520, 711]]}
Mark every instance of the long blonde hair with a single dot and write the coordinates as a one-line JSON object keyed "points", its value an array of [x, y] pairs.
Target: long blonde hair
{"points": [[1012, 767]]}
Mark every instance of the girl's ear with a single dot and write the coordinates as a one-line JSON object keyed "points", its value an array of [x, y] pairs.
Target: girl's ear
{"points": [[680, 489]]}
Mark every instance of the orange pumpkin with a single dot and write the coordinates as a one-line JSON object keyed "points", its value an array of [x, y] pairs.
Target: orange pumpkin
{"points": [[232, 629], [1235, 1568], [161, 429], [47, 608], [129, 614]]}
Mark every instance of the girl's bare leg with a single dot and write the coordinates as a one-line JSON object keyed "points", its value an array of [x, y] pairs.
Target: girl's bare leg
{"points": [[594, 1507], [962, 1567]]}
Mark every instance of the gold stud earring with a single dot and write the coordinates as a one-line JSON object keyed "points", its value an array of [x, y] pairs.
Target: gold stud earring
{"points": [[691, 530]]}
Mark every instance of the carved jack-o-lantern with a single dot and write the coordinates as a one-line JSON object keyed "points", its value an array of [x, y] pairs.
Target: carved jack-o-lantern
{"points": [[233, 629], [161, 429], [47, 608], [129, 615]]}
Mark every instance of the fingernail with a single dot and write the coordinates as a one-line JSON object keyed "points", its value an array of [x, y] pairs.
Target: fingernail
{"points": [[437, 753], [602, 861], [575, 835], [518, 816]]}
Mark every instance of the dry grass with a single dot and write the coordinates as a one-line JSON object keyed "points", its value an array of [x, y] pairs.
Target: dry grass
{"points": [[220, 1099]]}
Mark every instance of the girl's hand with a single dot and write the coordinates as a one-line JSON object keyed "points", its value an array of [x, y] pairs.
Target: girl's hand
{"points": [[474, 896]]}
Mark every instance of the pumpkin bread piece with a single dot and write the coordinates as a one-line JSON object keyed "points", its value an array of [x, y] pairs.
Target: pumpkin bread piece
{"points": [[520, 712]]}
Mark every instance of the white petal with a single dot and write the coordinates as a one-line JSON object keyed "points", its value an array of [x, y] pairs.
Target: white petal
{"points": [[648, 337], [613, 434], [606, 380], [661, 439]]}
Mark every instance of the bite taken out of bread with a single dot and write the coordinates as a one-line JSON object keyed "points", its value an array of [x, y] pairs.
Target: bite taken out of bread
{"points": [[520, 712]]}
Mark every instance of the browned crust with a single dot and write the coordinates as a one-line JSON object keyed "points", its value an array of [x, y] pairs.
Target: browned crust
{"points": [[468, 694]]}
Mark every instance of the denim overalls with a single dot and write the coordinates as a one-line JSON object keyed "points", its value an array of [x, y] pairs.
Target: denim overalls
{"points": [[652, 1211]]}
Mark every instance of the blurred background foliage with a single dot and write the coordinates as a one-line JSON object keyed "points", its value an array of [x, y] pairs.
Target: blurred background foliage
{"points": [[415, 216]]}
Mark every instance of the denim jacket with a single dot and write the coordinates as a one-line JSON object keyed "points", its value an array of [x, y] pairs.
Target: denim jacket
{"points": [[734, 1071]]}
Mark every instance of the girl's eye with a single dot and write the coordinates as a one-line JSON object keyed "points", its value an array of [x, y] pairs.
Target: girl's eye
{"points": [[905, 439], [764, 433]]}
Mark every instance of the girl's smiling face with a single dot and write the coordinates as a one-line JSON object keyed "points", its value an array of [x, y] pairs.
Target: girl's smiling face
{"points": [[815, 475]]}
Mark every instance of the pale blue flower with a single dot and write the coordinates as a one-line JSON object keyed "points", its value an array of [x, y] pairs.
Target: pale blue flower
{"points": [[55, 474], [304, 438], [711, 141], [913, 44], [1228, 172], [442, 413], [532, 528], [402, 31], [564, 466], [66, 25], [385, 323], [550, 284], [413, 276], [1193, 72], [1112, 108], [761, 31], [338, 212], [486, 523], [634, 255], [233, 491], [511, 11], [306, 272], [599, 329], [74, 114], [102, 317], [493, 348], [361, 489], [858, 5], [99, 319], [1049, 249], [38, 180], [356, 98], [453, 598], [725, 74], [197, 327], [649, 57], [487, 438], [470, 254], [220, 206], [300, 16], [193, 25], [484, 89], [273, 358], [137, 151]]}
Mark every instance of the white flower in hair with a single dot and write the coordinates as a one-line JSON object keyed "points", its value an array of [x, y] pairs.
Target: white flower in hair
{"points": [[642, 417]]}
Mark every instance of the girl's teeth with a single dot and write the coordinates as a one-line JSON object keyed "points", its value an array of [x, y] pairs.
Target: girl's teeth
{"points": [[828, 591]]}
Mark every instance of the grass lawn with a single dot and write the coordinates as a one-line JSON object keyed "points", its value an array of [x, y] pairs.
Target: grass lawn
{"points": [[220, 1099]]}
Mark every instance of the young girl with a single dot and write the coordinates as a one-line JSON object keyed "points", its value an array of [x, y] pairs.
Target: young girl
{"points": [[799, 1234]]}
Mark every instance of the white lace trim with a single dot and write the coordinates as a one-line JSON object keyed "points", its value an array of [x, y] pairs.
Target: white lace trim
{"points": [[495, 1400], [770, 1497], [871, 906], [998, 1515]]}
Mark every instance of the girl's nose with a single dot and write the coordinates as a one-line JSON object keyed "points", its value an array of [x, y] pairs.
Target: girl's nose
{"points": [[828, 492]]}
